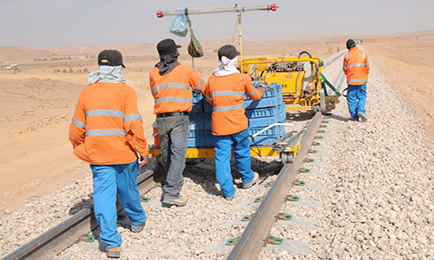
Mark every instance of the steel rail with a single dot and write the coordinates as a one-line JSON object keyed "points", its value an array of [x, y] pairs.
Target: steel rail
{"points": [[66, 233], [249, 246], [334, 58], [251, 241]]}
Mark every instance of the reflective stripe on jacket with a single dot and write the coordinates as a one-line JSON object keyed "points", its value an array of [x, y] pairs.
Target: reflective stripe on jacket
{"points": [[172, 91], [226, 94], [356, 66], [107, 128]]}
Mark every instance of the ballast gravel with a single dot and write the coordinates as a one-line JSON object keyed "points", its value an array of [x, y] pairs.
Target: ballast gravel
{"points": [[368, 196]]}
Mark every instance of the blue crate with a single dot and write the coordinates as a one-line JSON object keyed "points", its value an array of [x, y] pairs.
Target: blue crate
{"points": [[197, 100], [196, 142], [207, 107], [264, 121], [209, 139], [196, 138], [196, 133], [196, 121], [207, 117], [269, 136], [281, 116], [274, 131], [261, 112], [263, 102]]}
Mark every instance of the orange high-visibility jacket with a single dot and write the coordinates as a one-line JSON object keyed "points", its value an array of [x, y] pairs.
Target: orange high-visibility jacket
{"points": [[356, 66], [172, 92], [107, 128], [226, 94]]}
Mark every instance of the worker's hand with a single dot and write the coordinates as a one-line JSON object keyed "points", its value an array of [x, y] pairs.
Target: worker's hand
{"points": [[143, 161], [261, 89]]}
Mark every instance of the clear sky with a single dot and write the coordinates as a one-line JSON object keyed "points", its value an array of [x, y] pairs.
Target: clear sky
{"points": [[46, 23]]}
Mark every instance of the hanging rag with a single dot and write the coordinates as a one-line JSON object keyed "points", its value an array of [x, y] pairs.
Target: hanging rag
{"points": [[226, 67], [194, 48]]}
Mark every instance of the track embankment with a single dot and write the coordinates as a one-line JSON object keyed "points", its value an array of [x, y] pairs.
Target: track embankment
{"points": [[368, 195]]}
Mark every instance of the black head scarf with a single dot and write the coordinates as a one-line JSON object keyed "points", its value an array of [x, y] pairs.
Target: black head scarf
{"points": [[168, 62]]}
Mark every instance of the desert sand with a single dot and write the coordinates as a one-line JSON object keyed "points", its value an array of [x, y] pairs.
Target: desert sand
{"points": [[39, 99]]}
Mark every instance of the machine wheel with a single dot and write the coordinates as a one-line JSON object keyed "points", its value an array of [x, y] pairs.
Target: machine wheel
{"points": [[287, 157], [323, 105]]}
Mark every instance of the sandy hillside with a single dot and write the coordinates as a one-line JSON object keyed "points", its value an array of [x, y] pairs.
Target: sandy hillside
{"points": [[39, 99]]}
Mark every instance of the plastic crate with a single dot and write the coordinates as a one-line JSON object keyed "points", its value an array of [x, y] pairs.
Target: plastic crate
{"points": [[196, 121], [196, 133], [196, 142], [273, 131], [209, 139], [207, 117], [269, 136], [265, 121], [197, 101], [207, 107], [263, 102]]}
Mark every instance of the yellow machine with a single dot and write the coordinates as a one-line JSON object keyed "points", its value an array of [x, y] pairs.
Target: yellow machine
{"points": [[303, 84]]}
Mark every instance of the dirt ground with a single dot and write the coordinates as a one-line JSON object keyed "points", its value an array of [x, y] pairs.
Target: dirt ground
{"points": [[39, 99]]}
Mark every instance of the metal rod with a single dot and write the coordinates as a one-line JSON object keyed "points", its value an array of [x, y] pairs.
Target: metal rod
{"points": [[227, 9], [270, 126]]}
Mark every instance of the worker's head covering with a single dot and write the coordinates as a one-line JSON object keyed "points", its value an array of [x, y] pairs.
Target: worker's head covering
{"points": [[110, 58], [227, 51], [351, 43], [168, 51], [228, 61], [167, 46]]}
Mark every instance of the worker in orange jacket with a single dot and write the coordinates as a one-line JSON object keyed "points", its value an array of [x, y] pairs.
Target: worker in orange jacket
{"points": [[356, 67], [171, 85], [107, 132], [225, 91]]}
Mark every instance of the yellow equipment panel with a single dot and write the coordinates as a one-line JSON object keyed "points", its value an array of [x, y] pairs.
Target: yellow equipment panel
{"points": [[291, 81]]}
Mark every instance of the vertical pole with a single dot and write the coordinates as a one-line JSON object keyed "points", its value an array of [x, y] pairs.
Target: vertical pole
{"points": [[240, 39], [191, 33]]}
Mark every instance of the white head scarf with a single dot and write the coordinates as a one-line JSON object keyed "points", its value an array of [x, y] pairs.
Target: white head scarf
{"points": [[106, 74], [227, 67]]}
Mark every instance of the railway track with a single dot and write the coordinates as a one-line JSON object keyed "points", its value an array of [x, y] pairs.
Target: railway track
{"points": [[247, 246]]}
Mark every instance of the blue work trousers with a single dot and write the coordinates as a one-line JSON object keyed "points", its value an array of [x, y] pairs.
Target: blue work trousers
{"points": [[356, 99], [110, 181], [241, 147], [173, 133]]}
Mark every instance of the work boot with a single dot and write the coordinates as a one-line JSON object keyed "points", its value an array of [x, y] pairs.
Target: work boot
{"points": [[181, 201], [230, 198], [255, 180], [362, 117], [114, 252], [139, 228]]}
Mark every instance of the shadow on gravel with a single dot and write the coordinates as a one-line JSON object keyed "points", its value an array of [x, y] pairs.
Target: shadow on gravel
{"points": [[202, 172], [299, 116], [340, 118]]}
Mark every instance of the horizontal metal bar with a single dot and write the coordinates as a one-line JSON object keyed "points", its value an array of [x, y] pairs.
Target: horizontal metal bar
{"points": [[229, 9]]}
